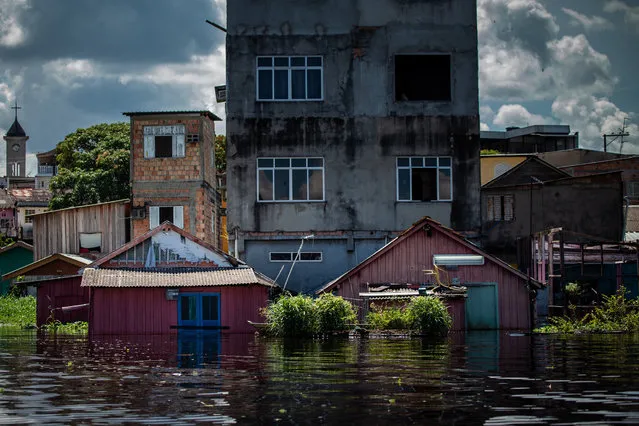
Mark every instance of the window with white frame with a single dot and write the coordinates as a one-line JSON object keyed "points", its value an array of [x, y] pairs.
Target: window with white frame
{"points": [[500, 208], [27, 215], [290, 78], [306, 256], [290, 179], [164, 141], [632, 189], [159, 214], [424, 179]]}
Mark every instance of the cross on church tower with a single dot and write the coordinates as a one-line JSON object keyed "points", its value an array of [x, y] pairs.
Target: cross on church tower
{"points": [[16, 107]]}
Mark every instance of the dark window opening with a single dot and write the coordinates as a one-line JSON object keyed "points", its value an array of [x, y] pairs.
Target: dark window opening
{"points": [[166, 213], [424, 184], [422, 78], [163, 146]]}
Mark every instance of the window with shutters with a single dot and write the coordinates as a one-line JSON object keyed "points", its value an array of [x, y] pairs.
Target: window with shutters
{"points": [[164, 141], [500, 208], [161, 214]]}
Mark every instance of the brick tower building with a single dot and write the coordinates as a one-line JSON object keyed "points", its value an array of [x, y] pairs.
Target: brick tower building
{"points": [[173, 173]]}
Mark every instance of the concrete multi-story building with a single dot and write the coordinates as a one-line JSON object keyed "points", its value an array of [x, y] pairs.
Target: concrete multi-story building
{"points": [[347, 121], [530, 139], [47, 168], [173, 173]]}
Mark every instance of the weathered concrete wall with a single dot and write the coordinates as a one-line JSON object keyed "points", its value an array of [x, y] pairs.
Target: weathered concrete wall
{"points": [[590, 205], [358, 128]]}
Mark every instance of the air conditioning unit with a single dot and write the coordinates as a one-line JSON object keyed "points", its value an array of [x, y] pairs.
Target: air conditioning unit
{"points": [[138, 212]]}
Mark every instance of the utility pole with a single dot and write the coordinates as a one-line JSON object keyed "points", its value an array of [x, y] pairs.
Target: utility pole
{"points": [[615, 136]]}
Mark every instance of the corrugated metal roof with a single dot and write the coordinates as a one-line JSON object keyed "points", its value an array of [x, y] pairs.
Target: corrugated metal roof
{"points": [[142, 278], [631, 237], [206, 113]]}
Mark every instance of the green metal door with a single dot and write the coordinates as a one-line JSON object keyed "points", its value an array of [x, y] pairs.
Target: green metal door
{"points": [[481, 307]]}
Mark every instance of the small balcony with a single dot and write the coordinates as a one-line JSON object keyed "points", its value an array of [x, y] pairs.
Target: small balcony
{"points": [[47, 170]]}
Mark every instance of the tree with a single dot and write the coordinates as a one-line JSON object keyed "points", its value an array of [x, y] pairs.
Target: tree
{"points": [[220, 153], [93, 166]]}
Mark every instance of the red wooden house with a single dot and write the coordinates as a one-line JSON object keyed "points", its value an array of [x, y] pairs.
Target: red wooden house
{"points": [[167, 279], [498, 296], [57, 279]]}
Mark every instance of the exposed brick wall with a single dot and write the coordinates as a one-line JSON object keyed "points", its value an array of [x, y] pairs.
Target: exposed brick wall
{"points": [[188, 181]]}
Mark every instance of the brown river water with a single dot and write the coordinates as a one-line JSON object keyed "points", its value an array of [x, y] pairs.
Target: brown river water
{"points": [[487, 378]]}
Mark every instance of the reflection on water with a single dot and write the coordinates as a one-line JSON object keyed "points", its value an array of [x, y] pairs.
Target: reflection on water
{"points": [[476, 378]]}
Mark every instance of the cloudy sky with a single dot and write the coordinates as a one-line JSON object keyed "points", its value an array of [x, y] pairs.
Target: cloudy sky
{"points": [[74, 63]]}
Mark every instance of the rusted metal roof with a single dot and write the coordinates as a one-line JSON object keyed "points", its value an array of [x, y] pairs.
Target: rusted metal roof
{"points": [[30, 196], [209, 278]]}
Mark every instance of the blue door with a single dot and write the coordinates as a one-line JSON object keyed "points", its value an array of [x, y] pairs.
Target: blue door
{"points": [[199, 309], [481, 307]]}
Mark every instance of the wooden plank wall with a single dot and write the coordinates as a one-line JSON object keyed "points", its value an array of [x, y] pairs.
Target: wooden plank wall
{"points": [[146, 310], [59, 232], [406, 261], [58, 293]]}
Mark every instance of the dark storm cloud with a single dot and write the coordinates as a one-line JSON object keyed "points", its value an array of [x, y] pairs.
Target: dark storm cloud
{"points": [[146, 31]]}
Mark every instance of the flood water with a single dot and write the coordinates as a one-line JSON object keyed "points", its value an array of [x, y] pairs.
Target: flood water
{"points": [[475, 378]]}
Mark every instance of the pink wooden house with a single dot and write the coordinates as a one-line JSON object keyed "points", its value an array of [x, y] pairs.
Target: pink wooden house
{"points": [[498, 296]]}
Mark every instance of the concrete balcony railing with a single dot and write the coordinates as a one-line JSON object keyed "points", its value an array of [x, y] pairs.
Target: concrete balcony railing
{"points": [[47, 170]]}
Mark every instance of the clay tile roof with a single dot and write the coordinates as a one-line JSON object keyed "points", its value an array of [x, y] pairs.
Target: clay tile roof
{"points": [[30, 195], [173, 278]]}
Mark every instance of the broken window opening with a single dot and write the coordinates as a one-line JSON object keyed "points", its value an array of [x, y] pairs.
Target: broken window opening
{"points": [[163, 146], [424, 179], [423, 77]]}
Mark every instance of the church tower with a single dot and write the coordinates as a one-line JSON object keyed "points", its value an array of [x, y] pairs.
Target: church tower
{"points": [[16, 148]]}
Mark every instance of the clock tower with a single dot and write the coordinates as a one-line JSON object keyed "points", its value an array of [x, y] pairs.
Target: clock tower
{"points": [[16, 148]]}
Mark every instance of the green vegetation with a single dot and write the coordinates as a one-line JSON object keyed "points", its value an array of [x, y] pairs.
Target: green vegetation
{"points": [[489, 152], [302, 316], [17, 311], [616, 314], [93, 166], [78, 327], [220, 153], [424, 315], [334, 313]]}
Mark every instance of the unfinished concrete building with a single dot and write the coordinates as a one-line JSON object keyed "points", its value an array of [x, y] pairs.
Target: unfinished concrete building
{"points": [[347, 121]]}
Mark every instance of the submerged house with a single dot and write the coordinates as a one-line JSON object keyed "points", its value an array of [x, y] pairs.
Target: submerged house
{"points": [[498, 296], [167, 279]]}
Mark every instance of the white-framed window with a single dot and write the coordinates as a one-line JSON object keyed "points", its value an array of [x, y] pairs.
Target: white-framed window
{"points": [[159, 214], [424, 179], [410, 84], [286, 256], [500, 208], [290, 179], [164, 141], [27, 215], [290, 78], [633, 189]]}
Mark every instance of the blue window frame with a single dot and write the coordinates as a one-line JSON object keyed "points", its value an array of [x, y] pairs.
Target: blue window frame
{"points": [[199, 309]]}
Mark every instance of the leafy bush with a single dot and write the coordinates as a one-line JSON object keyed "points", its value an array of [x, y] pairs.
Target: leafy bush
{"points": [[17, 311], [428, 315], [387, 318], [292, 316], [78, 327], [616, 313], [334, 313]]}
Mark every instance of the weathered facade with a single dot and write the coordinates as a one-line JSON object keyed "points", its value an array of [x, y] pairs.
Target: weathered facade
{"points": [[47, 168], [173, 173], [167, 280], [91, 230], [347, 120], [535, 196], [498, 296]]}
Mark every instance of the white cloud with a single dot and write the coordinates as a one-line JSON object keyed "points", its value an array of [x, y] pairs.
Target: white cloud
{"points": [[518, 116], [631, 13], [68, 71], [484, 127], [589, 23], [486, 113], [12, 34], [593, 117]]}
